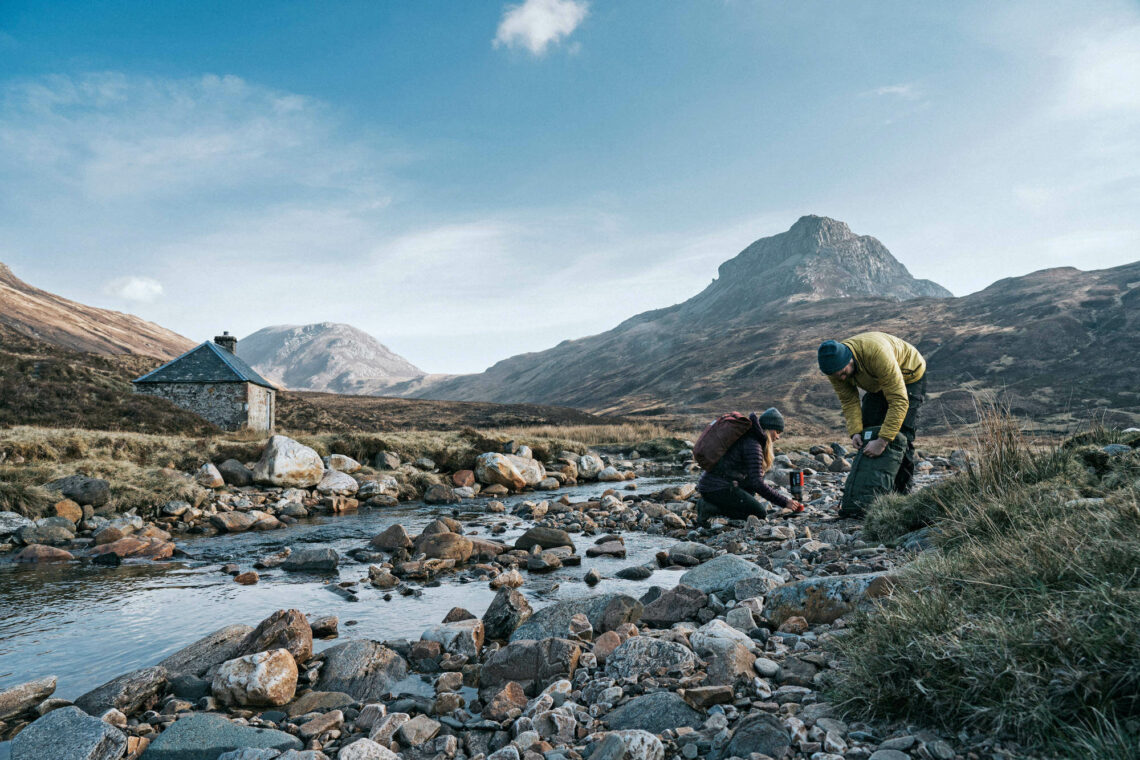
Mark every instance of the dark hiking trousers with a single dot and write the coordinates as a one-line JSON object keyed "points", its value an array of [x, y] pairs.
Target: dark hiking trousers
{"points": [[875, 411], [735, 503]]}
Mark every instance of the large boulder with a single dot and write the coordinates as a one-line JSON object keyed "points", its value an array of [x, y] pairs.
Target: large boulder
{"points": [[444, 546], [233, 522], [547, 538], [497, 469], [392, 538], [23, 697], [82, 489], [208, 476], [129, 693], [314, 560], [69, 734], [48, 533], [130, 546], [37, 553], [589, 466], [10, 522], [507, 611], [261, 679], [531, 470], [720, 574], [636, 745], [208, 651], [441, 493], [284, 629], [341, 463], [675, 605], [531, 664], [758, 732], [365, 669], [287, 463], [655, 712], [235, 473], [644, 654], [606, 612], [726, 651], [459, 637], [204, 736], [337, 483], [822, 600]]}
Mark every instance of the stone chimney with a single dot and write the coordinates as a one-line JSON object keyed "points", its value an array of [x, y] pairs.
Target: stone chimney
{"points": [[226, 341]]}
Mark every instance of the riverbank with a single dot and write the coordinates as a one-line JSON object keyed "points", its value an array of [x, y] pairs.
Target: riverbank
{"points": [[649, 543]]}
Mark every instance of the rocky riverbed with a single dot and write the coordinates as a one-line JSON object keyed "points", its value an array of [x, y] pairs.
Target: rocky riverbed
{"points": [[601, 622]]}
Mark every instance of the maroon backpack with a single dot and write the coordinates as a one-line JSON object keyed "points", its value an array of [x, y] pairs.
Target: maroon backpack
{"points": [[719, 437]]}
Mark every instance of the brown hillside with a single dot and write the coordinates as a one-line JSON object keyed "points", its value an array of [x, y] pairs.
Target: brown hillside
{"points": [[1059, 345], [48, 317]]}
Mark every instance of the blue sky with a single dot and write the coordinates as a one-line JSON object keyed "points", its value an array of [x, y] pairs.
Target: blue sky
{"points": [[471, 180]]}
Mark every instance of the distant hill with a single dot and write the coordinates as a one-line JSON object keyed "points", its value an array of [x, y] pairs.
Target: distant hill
{"points": [[327, 356], [44, 316], [1057, 344]]}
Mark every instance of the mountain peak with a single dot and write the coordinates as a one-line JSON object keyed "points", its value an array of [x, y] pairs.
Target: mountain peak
{"points": [[821, 229], [817, 258], [325, 356]]}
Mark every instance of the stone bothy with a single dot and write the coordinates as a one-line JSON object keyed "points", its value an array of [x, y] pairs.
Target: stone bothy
{"points": [[215, 384]]}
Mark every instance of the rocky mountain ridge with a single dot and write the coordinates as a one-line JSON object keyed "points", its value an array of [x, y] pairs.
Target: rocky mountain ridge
{"points": [[45, 316], [326, 356], [1046, 342]]}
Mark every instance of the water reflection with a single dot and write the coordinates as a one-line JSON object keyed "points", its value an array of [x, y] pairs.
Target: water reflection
{"points": [[86, 624]]}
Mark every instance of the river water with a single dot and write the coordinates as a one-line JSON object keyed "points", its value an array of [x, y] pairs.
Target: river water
{"points": [[87, 624]]}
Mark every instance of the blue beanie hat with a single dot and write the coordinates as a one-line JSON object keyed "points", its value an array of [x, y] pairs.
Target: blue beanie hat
{"points": [[833, 356]]}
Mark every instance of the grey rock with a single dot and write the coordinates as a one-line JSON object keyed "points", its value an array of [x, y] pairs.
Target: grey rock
{"points": [[204, 736], [251, 754], [634, 573], [312, 560], [235, 473], [19, 699], [654, 713], [605, 612], [823, 599], [889, 754], [759, 732], [531, 664], [10, 522], [418, 730], [82, 489], [692, 549], [319, 701], [507, 611], [757, 585], [679, 603], [643, 654], [69, 734], [208, 651], [129, 693], [547, 538], [720, 574], [49, 534], [440, 493], [365, 669]]}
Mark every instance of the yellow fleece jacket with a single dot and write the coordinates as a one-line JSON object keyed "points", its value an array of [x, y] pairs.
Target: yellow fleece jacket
{"points": [[882, 363]]}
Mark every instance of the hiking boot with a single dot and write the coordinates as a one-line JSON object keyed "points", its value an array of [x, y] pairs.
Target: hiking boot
{"points": [[704, 513]]}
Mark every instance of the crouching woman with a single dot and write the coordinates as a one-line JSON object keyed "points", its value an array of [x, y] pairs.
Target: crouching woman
{"points": [[728, 488]]}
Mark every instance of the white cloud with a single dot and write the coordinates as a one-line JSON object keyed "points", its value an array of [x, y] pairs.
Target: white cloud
{"points": [[904, 91], [538, 24], [135, 289]]}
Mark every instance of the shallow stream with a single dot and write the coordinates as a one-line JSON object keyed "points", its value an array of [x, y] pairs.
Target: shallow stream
{"points": [[87, 624]]}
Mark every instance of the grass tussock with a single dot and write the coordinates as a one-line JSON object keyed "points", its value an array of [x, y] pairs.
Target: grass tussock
{"points": [[145, 470], [1023, 622]]}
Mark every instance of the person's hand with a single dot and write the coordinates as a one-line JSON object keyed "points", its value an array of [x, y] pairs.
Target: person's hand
{"points": [[795, 506], [875, 447], [857, 441]]}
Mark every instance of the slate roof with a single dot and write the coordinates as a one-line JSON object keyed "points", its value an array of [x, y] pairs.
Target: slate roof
{"points": [[208, 363]]}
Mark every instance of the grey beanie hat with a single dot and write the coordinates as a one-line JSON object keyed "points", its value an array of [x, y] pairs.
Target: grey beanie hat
{"points": [[771, 419]]}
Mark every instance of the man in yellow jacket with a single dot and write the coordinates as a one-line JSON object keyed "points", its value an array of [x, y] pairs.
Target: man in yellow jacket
{"points": [[893, 375]]}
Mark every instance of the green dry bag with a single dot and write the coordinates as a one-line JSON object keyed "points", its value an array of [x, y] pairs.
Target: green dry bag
{"points": [[871, 476]]}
